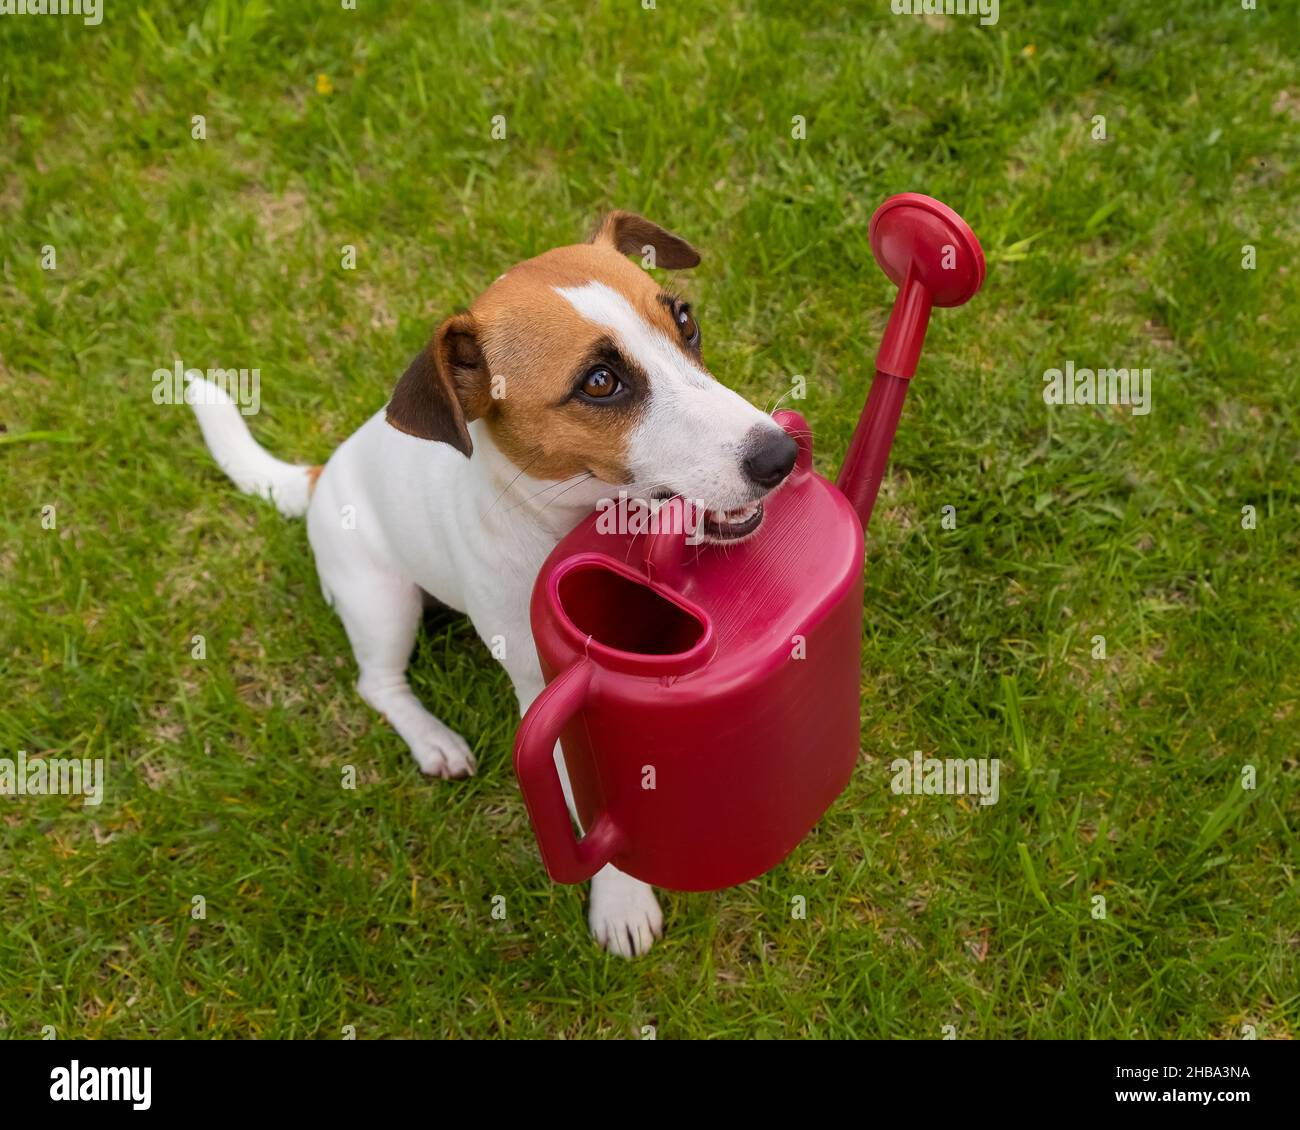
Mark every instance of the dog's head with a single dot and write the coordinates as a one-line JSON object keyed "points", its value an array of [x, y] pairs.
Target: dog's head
{"points": [[578, 362]]}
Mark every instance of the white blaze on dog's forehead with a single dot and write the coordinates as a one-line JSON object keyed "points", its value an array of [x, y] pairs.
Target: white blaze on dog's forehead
{"points": [[652, 349], [691, 436]]}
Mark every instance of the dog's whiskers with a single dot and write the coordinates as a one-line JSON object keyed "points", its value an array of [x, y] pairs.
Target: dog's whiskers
{"points": [[788, 392], [511, 483], [582, 476], [582, 479]]}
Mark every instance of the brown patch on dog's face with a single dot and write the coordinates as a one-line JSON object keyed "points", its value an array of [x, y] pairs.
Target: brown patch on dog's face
{"points": [[578, 363], [545, 363]]}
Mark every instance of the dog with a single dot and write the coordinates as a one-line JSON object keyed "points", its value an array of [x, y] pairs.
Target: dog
{"points": [[572, 377]]}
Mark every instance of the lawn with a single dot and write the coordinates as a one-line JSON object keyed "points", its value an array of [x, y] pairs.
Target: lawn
{"points": [[228, 886]]}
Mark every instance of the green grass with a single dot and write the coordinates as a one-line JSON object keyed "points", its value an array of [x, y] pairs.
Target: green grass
{"points": [[372, 907]]}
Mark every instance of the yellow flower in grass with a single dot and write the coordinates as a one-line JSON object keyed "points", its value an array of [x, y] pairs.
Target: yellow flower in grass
{"points": [[323, 85]]}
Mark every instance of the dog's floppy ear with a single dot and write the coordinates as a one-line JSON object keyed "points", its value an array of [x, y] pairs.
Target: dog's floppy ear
{"points": [[444, 388], [632, 234]]}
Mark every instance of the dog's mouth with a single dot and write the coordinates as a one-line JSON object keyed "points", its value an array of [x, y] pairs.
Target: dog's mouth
{"points": [[732, 525], [723, 525]]}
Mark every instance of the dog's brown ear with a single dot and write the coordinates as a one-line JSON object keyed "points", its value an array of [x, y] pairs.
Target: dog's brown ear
{"points": [[632, 234], [444, 388]]}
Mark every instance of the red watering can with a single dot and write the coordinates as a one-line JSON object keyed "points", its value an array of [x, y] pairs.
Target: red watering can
{"points": [[706, 697]]}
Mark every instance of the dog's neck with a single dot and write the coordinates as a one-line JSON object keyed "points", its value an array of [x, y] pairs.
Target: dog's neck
{"points": [[509, 495]]}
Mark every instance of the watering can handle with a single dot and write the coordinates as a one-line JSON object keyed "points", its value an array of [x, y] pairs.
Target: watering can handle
{"points": [[567, 859]]}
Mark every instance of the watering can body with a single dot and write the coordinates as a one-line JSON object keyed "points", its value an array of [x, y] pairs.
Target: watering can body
{"points": [[706, 696]]}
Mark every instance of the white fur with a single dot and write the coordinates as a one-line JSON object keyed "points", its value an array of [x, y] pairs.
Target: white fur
{"points": [[394, 517], [238, 454]]}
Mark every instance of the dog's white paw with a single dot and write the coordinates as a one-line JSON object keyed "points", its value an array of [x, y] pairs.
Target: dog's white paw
{"points": [[441, 752], [438, 750], [624, 915]]}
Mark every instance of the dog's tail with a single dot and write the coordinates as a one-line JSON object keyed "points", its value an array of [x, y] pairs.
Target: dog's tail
{"points": [[253, 469]]}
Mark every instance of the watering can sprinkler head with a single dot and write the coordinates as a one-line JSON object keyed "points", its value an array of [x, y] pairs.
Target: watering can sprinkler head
{"points": [[915, 234], [933, 257]]}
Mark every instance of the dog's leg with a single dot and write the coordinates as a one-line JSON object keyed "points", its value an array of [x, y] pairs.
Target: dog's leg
{"points": [[381, 614], [623, 913]]}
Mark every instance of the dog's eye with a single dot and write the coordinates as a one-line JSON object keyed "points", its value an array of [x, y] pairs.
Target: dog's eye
{"points": [[688, 325], [600, 384]]}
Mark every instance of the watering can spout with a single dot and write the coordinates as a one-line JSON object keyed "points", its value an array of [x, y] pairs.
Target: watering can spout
{"points": [[900, 348], [933, 257]]}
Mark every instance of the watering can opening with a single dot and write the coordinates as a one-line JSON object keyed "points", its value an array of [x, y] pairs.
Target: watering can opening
{"points": [[618, 613]]}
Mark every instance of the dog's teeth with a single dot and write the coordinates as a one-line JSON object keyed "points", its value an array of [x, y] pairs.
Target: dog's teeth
{"points": [[734, 517]]}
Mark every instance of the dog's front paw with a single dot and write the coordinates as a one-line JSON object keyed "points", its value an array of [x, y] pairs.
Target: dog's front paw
{"points": [[441, 752], [625, 917]]}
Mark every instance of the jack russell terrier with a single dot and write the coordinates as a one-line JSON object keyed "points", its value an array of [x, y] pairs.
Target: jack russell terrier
{"points": [[573, 377]]}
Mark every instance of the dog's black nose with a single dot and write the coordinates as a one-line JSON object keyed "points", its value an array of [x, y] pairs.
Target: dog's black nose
{"points": [[769, 456]]}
